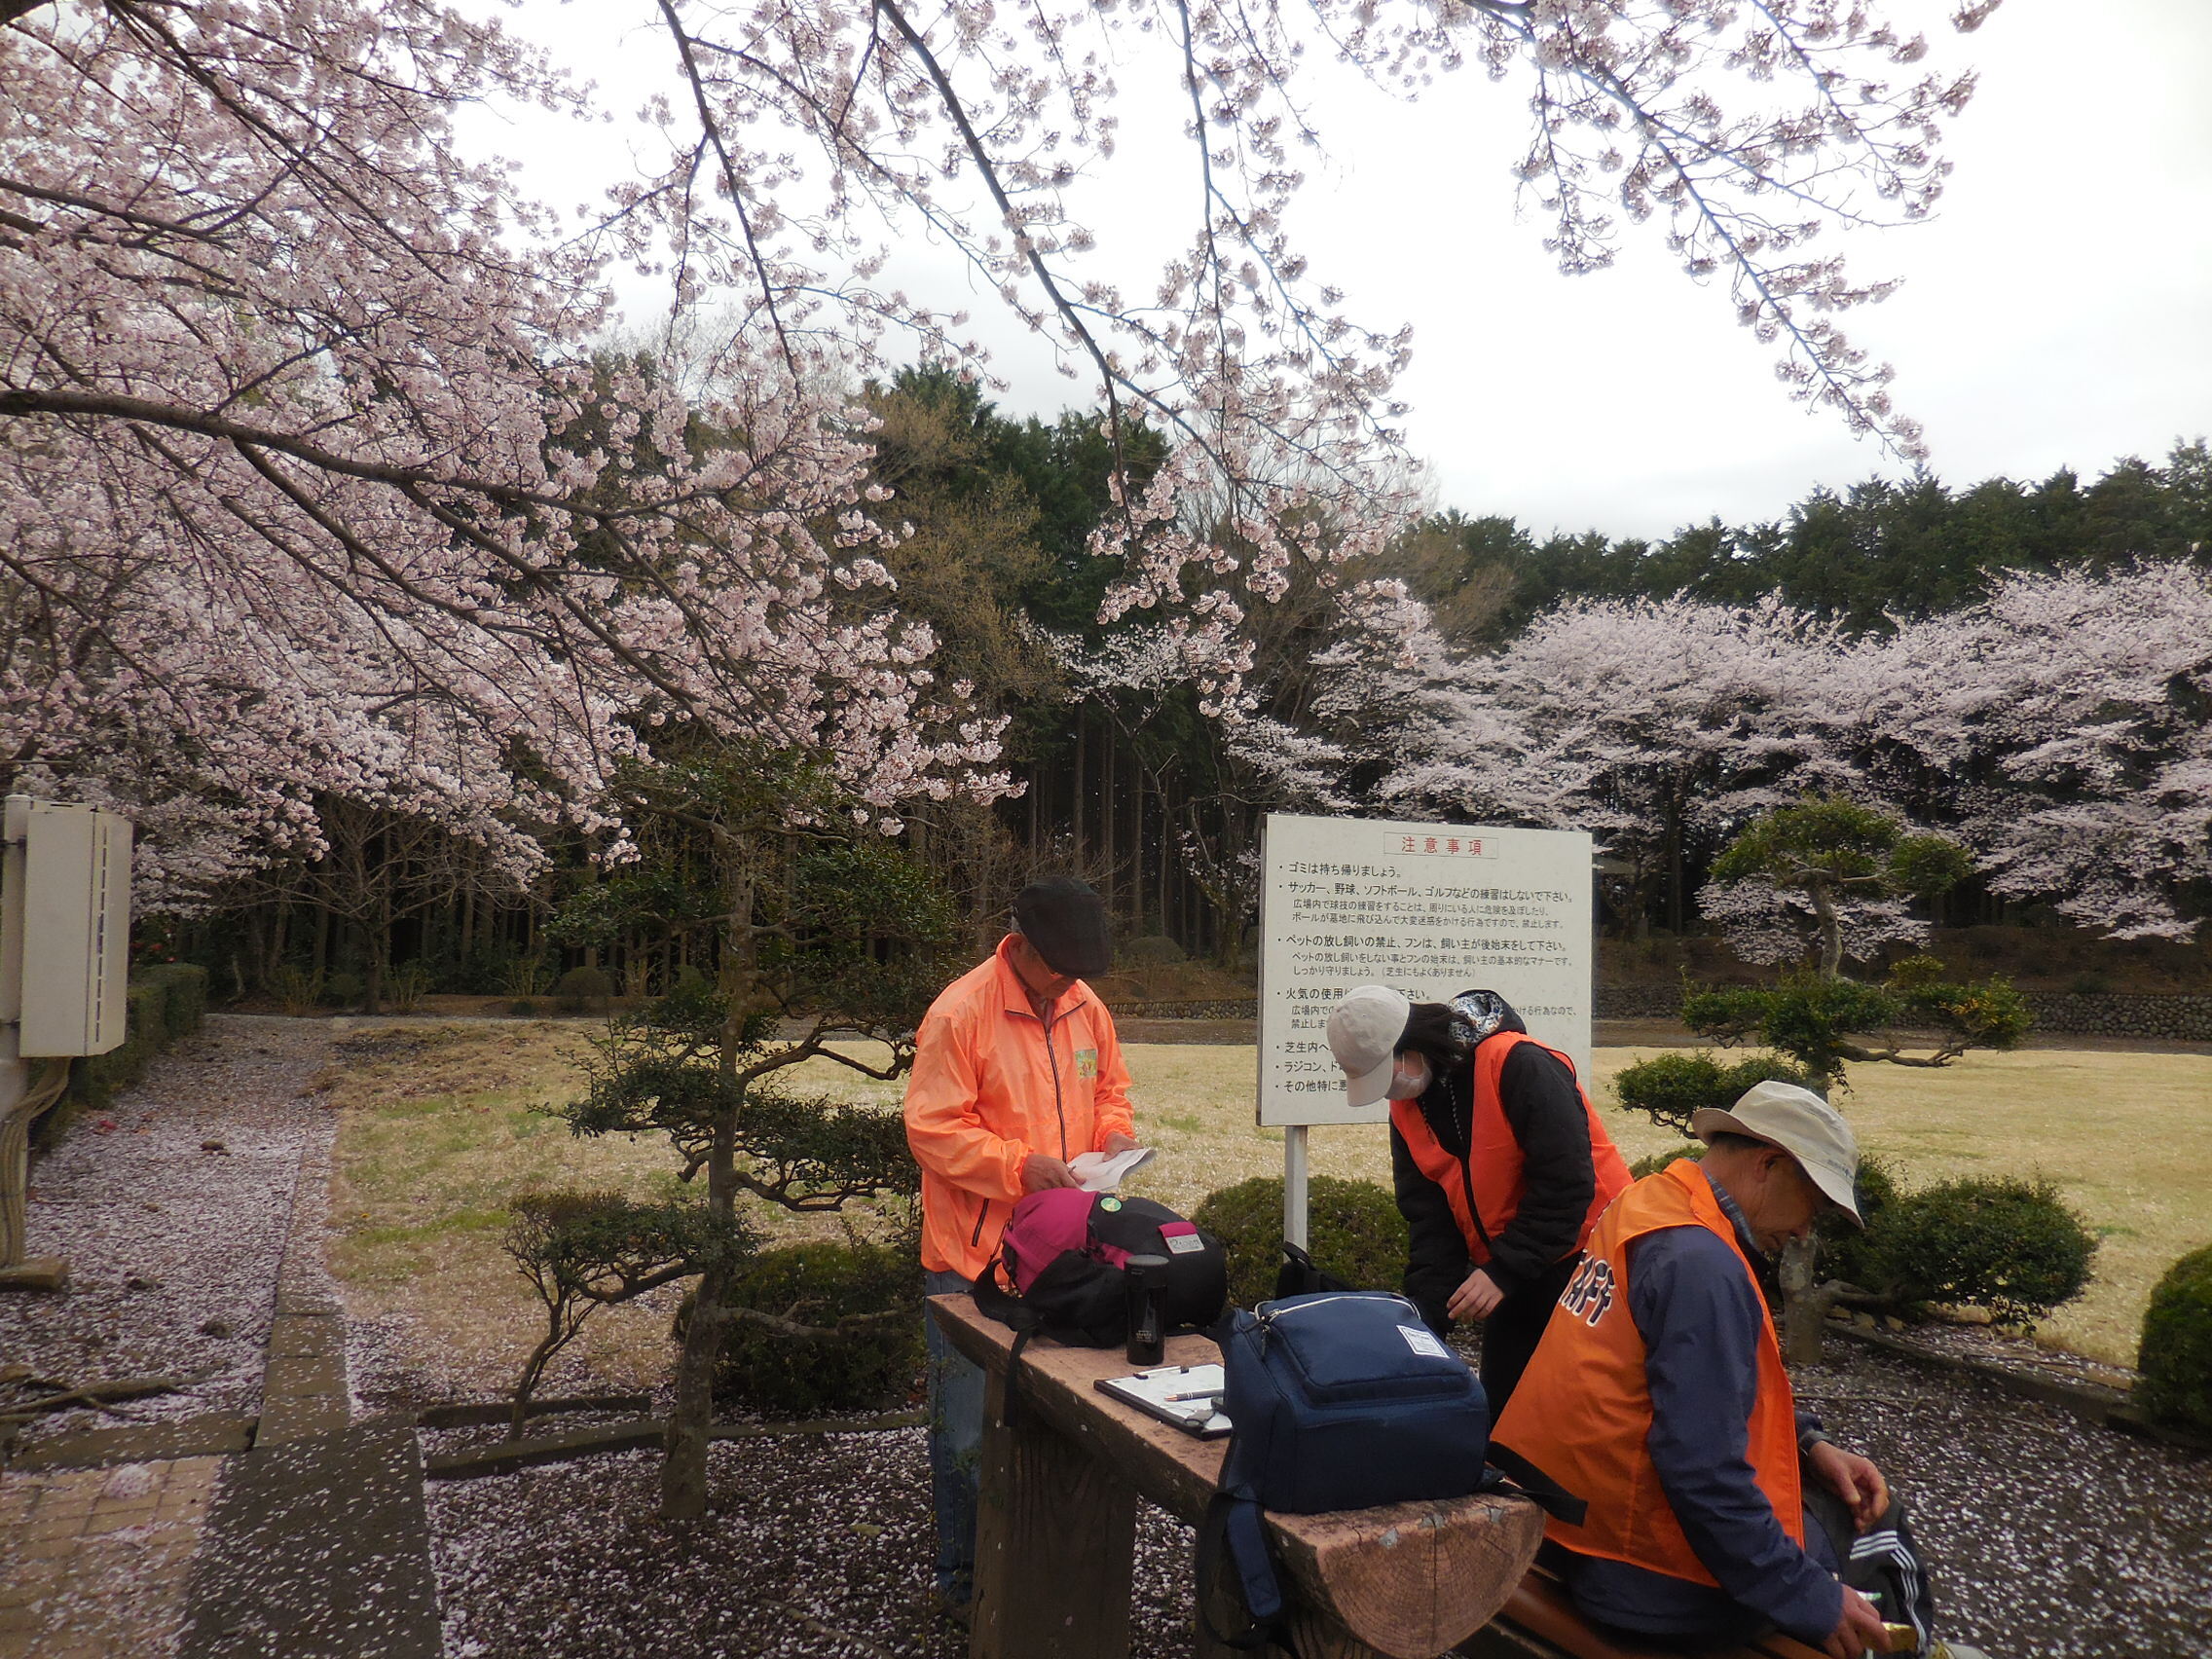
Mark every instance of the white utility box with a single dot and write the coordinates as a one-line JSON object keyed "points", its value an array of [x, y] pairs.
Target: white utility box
{"points": [[65, 932]]}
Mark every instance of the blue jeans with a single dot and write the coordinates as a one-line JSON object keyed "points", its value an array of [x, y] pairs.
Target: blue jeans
{"points": [[956, 1449]]}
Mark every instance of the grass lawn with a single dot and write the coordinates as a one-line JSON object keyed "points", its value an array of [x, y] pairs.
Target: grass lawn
{"points": [[439, 1130]]}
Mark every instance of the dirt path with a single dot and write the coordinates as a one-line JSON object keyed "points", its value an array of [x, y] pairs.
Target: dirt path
{"points": [[172, 1209]]}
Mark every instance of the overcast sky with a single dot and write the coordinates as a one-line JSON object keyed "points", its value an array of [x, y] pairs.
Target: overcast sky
{"points": [[2058, 312]]}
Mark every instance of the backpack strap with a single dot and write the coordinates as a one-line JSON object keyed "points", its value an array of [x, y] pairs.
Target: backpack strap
{"points": [[1512, 1472], [1232, 1555], [1009, 1311]]}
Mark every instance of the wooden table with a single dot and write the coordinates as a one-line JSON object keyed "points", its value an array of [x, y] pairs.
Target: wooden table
{"points": [[1056, 1531]]}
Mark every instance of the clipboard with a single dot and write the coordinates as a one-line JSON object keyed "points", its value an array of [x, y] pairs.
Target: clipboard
{"points": [[1154, 1392]]}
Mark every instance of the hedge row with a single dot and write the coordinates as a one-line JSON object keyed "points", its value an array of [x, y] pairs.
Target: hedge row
{"points": [[165, 1002]]}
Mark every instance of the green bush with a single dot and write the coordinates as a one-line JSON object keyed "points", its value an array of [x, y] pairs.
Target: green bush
{"points": [[873, 1364], [1153, 950], [184, 996], [1352, 1230], [2175, 1358], [343, 990], [1845, 1249], [2010, 1245], [408, 984], [1669, 1088], [1659, 1161], [583, 990]]}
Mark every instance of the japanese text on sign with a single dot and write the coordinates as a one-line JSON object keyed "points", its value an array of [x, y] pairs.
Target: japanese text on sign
{"points": [[1431, 909]]}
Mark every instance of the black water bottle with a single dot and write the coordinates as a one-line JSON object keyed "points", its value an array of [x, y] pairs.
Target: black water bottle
{"points": [[1147, 1278]]}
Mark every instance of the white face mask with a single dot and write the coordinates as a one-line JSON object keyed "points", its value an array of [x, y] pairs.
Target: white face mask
{"points": [[1409, 1080]]}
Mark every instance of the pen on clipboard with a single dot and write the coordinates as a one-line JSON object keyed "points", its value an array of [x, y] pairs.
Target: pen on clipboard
{"points": [[1214, 1394]]}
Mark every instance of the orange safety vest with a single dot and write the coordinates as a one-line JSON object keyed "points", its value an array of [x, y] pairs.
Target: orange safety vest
{"points": [[1582, 1412], [1493, 1173]]}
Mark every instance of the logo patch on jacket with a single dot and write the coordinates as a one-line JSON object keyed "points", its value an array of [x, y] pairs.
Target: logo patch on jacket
{"points": [[1087, 1062], [1589, 1294]]}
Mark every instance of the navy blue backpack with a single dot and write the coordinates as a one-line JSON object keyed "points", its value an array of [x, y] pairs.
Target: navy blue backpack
{"points": [[1340, 1400]]}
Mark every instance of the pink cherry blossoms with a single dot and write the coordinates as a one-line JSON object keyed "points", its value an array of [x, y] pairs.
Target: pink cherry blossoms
{"points": [[2058, 728], [314, 485]]}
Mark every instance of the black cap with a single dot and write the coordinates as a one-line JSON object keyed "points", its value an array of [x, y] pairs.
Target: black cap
{"points": [[1066, 922]]}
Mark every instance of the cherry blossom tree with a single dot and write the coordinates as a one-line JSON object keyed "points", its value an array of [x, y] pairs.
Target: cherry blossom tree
{"points": [[2060, 728], [245, 270], [1659, 727]]}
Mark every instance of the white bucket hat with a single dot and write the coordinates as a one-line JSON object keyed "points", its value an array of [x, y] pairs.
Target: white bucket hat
{"points": [[1363, 1034], [1803, 1125]]}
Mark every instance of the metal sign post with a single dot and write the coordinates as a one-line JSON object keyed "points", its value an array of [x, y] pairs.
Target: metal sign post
{"points": [[1431, 909]]}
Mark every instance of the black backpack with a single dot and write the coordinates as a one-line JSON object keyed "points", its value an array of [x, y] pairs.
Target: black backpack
{"points": [[1063, 1253]]}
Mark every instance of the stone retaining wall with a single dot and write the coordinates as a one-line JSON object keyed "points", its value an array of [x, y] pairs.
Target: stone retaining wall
{"points": [[2182, 1019], [2178, 1019]]}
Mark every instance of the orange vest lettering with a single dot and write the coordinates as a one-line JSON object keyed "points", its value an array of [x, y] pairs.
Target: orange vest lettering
{"points": [[1582, 1412], [1493, 1173]]}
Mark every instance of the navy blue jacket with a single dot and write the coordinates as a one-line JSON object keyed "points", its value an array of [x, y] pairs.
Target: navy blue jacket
{"points": [[1699, 1318]]}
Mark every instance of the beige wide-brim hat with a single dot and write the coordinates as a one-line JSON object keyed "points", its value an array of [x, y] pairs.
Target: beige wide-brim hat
{"points": [[1803, 1125], [1363, 1034]]}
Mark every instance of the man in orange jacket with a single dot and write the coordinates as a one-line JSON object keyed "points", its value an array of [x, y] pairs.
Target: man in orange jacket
{"points": [[1016, 1071]]}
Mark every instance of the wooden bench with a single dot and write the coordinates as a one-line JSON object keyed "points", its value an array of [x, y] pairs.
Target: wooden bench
{"points": [[1056, 1528], [1538, 1621]]}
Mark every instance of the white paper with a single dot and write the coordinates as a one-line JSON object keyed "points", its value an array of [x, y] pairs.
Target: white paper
{"points": [[1187, 1394], [1096, 1172]]}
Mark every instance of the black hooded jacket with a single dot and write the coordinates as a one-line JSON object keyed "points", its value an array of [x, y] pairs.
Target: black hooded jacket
{"points": [[1544, 1110]]}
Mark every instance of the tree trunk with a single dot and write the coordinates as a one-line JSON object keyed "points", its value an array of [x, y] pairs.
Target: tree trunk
{"points": [[1831, 929], [684, 1469], [1804, 1304], [1081, 744]]}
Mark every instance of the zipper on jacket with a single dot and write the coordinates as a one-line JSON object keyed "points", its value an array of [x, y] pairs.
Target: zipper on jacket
{"points": [[976, 1238], [1052, 1059]]}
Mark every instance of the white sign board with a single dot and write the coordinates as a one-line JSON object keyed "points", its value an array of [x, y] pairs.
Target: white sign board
{"points": [[1432, 909]]}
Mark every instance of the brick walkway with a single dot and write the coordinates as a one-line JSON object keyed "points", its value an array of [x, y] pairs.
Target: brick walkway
{"points": [[94, 1560]]}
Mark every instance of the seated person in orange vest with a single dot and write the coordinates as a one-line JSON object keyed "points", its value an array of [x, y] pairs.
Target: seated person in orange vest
{"points": [[1501, 1163], [1017, 1070], [1658, 1397]]}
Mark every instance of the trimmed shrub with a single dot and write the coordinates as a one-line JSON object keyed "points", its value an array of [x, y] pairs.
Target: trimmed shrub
{"points": [[2175, 1358], [1846, 1252], [184, 996], [1667, 1088], [2010, 1245], [1659, 1161], [1352, 1230], [1153, 950], [873, 1361], [583, 989]]}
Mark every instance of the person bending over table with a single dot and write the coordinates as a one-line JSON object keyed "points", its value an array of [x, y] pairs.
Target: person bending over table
{"points": [[1499, 1161]]}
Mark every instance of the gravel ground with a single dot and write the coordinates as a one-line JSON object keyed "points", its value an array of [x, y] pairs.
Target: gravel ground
{"points": [[171, 1208], [816, 1546], [2046, 1537]]}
